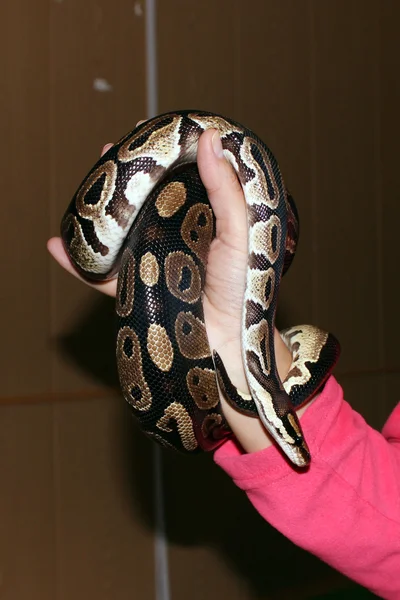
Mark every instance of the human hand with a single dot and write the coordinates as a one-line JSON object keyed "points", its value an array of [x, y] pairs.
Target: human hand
{"points": [[225, 282]]}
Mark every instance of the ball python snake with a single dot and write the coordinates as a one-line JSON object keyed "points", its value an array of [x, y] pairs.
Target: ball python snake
{"points": [[142, 212]]}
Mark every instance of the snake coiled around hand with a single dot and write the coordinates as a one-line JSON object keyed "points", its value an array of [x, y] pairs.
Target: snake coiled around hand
{"points": [[142, 212]]}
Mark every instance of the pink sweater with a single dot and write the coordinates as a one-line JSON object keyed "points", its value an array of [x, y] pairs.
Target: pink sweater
{"points": [[345, 508]]}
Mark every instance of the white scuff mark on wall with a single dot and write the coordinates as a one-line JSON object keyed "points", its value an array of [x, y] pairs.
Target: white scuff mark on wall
{"points": [[102, 85], [138, 9]]}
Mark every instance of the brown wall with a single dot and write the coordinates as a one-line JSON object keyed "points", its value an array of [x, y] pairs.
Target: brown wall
{"points": [[318, 81]]}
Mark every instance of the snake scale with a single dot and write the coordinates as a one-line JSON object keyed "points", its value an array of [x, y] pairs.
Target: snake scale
{"points": [[142, 212]]}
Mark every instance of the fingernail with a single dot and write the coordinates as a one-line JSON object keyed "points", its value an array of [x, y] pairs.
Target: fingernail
{"points": [[217, 145]]}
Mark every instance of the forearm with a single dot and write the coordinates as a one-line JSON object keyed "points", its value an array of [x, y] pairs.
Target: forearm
{"points": [[345, 508]]}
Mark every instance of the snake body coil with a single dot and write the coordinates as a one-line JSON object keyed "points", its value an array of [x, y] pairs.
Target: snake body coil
{"points": [[143, 212]]}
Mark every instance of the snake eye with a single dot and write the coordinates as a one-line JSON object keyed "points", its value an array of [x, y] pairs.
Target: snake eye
{"points": [[293, 429]]}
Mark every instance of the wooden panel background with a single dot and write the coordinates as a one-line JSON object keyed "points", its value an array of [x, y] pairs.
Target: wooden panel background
{"points": [[319, 82]]}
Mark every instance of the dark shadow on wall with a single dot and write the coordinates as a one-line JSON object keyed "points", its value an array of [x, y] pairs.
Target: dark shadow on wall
{"points": [[203, 507], [90, 344]]}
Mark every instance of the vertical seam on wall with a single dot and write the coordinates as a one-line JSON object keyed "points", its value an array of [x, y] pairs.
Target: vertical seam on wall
{"points": [[51, 194], [52, 308], [237, 97], [378, 188], [161, 570], [378, 196], [313, 163], [151, 59]]}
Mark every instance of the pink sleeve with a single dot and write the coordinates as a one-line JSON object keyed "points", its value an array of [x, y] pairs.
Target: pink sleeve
{"points": [[345, 508]]}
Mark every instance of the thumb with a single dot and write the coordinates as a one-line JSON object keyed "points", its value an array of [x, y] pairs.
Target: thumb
{"points": [[224, 190]]}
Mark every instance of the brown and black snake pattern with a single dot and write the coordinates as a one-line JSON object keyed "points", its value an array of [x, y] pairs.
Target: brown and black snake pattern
{"points": [[142, 212]]}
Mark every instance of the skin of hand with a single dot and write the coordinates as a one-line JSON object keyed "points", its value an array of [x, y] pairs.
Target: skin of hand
{"points": [[225, 283]]}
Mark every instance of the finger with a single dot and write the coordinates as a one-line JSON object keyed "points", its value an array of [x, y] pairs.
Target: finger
{"points": [[57, 251], [223, 188], [106, 148]]}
